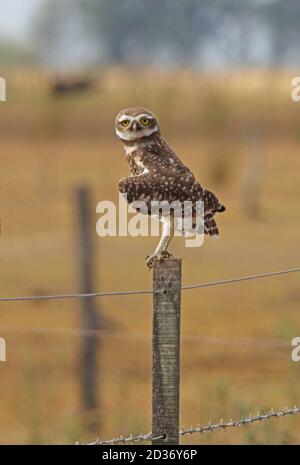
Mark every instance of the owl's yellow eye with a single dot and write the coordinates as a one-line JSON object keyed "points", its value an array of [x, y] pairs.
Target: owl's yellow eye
{"points": [[125, 123], [145, 121]]}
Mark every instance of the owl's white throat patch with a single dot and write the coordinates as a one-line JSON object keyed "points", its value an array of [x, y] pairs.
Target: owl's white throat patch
{"points": [[129, 149], [142, 166], [131, 136]]}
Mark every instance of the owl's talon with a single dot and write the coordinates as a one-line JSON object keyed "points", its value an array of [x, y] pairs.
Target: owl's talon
{"points": [[166, 254], [149, 260]]}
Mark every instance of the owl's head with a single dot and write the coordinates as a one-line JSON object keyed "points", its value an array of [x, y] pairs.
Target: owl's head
{"points": [[133, 124]]}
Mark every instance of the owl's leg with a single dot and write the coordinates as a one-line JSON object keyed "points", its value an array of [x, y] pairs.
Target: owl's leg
{"points": [[161, 250], [165, 253]]}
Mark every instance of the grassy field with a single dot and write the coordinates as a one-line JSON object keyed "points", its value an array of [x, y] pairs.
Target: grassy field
{"points": [[51, 145]]}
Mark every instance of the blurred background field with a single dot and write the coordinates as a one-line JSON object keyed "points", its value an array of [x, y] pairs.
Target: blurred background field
{"points": [[238, 129]]}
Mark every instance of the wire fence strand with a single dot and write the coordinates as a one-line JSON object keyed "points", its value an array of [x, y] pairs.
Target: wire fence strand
{"points": [[147, 291], [75, 296], [210, 427], [241, 279]]}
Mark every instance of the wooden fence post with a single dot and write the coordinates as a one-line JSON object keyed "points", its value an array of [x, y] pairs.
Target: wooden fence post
{"points": [[254, 171], [90, 318], [166, 350]]}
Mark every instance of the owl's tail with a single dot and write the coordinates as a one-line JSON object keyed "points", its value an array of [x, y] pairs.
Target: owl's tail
{"points": [[210, 225]]}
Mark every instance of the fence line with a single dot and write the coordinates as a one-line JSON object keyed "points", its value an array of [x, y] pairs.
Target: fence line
{"points": [[248, 420], [147, 291], [162, 434], [256, 342]]}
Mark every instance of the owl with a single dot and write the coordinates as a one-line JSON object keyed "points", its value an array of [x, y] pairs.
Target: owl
{"points": [[157, 174]]}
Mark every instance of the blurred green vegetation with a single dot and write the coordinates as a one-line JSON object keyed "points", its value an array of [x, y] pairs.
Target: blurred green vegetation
{"points": [[15, 54]]}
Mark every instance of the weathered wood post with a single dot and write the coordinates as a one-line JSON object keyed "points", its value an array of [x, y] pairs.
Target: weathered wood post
{"points": [[166, 350], [89, 317]]}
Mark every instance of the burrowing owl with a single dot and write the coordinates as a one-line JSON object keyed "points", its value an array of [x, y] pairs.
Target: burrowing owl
{"points": [[157, 174]]}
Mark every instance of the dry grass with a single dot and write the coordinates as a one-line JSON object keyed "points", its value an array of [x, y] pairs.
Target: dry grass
{"points": [[50, 146]]}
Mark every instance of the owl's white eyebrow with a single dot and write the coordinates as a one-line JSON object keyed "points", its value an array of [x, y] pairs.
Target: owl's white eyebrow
{"points": [[124, 117], [144, 115]]}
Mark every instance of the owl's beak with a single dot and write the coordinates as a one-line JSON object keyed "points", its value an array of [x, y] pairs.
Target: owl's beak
{"points": [[135, 126]]}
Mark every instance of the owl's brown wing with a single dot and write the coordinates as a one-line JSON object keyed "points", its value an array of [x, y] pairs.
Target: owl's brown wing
{"points": [[151, 187], [163, 179], [163, 186], [187, 188], [159, 178]]}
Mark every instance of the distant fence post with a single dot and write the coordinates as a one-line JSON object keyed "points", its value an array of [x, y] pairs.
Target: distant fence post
{"points": [[166, 350], [90, 318], [254, 171]]}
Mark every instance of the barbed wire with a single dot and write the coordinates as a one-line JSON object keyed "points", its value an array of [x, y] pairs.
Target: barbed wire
{"points": [[129, 439], [98, 333], [248, 420], [146, 291]]}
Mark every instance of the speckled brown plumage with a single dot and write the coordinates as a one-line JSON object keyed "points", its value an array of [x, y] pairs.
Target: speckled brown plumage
{"points": [[157, 174]]}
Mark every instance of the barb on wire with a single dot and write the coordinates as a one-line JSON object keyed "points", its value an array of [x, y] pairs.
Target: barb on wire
{"points": [[250, 419], [146, 291]]}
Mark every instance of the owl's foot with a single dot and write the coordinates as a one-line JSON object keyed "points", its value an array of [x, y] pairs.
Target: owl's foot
{"points": [[150, 258], [166, 254]]}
